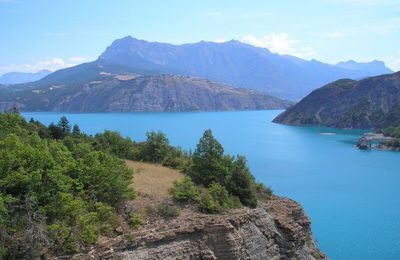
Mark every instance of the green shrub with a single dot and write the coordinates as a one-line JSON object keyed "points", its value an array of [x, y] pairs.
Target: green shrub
{"points": [[164, 210], [242, 183], [210, 165], [135, 220], [156, 147], [216, 199], [264, 193], [56, 188], [184, 190]]}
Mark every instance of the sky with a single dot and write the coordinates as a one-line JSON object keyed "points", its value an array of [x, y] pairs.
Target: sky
{"points": [[48, 34]]}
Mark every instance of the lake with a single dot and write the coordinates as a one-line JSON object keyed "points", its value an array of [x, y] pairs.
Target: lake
{"points": [[351, 196]]}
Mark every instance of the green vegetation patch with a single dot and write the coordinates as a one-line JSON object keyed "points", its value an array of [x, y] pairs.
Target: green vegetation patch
{"points": [[60, 189]]}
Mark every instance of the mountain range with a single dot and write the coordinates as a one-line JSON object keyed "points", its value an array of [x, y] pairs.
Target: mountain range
{"points": [[237, 64], [22, 77], [208, 71], [368, 103]]}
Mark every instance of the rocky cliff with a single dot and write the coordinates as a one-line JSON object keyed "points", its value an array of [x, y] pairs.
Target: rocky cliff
{"points": [[369, 103], [278, 229], [133, 93]]}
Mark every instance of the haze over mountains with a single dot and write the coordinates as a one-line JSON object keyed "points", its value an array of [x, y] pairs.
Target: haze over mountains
{"points": [[225, 70], [369, 103], [237, 64], [22, 77]]}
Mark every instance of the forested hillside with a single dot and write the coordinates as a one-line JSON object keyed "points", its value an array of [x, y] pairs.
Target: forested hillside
{"points": [[61, 189]]}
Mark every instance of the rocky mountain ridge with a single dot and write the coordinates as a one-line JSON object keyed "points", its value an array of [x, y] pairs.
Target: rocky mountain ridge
{"points": [[237, 64], [137, 93]]}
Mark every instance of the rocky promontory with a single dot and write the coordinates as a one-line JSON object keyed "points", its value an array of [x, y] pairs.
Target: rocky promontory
{"points": [[133, 93], [369, 103], [277, 229]]}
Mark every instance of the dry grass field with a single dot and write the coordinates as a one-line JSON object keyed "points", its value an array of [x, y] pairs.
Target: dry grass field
{"points": [[152, 180]]}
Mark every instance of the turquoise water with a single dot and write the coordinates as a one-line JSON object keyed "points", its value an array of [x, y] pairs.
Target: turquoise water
{"points": [[351, 196]]}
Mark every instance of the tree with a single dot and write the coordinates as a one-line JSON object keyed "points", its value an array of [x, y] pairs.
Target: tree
{"points": [[76, 131], [156, 147], [64, 125], [208, 161], [242, 183], [116, 144], [56, 132]]}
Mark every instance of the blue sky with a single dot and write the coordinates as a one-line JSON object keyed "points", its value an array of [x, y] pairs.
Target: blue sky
{"points": [[54, 34]]}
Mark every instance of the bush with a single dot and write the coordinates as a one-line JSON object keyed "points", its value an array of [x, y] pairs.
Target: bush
{"points": [[176, 158], [135, 220], [216, 199], [184, 190], [264, 193], [164, 209]]}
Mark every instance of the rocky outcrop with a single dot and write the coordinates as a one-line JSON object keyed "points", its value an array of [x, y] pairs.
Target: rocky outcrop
{"points": [[363, 144], [278, 229], [368, 103]]}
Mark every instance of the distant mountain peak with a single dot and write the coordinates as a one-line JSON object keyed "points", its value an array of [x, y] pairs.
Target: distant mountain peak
{"points": [[371, 66], [238, 64], [23, 77]]}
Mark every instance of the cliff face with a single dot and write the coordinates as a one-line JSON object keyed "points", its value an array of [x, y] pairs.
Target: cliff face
{"points": [[122, 93], [368, 103], [278, 229]]}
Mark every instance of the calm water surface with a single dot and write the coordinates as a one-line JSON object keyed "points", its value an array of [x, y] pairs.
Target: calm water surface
{"points": [[351, 196]]}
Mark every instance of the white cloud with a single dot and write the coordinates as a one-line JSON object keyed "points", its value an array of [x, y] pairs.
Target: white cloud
{"points": [[219, 40], [393, 62], [78, 59], [280, 43], [52, 64], [215, 14]]}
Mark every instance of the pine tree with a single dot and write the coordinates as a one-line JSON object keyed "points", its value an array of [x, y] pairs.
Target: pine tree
{"points": [[208, 161], [64, 125], [76, 131]]}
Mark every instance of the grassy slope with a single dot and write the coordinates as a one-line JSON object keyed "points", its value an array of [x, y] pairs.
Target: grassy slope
{"points": [[153, 180]]}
